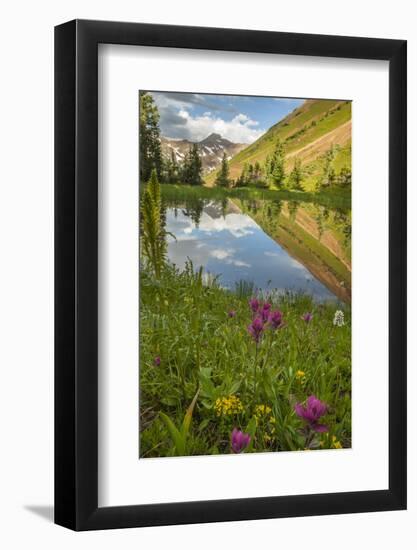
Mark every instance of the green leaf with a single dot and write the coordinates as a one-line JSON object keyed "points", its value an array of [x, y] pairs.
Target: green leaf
{"points": [[170, 401], [251, 427], [175, 434], [234, 387], [204, 424], [251, 430], [188, 417]]}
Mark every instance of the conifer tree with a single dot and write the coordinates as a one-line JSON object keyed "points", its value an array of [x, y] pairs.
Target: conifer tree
{"points": [[240, 181], [250, 174], [267, 167], [171, 169], [257, 171], [192, 167], [328, 177], [149, 134], [245, 175], [222, 178], [296, 176], [276, 165]]}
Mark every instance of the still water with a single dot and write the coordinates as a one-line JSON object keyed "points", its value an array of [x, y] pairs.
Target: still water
{"points": [[229, 243]]}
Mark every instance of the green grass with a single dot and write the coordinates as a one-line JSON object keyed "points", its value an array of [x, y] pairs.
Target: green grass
{"points": [[314, 170], [208, 356], [332, 198], [343, 157]]}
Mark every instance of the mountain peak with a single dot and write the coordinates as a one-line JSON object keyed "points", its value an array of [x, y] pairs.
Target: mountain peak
{"points": [[213, 138], [211, 149]]}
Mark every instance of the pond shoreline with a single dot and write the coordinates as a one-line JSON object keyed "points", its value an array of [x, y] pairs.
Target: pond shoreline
{"points": [[332, 199]]}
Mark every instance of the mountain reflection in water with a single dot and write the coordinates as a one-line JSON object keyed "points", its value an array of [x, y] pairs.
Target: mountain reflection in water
{"points": [[232, 240]]}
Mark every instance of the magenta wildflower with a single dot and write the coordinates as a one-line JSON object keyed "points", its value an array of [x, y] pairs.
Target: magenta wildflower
{"points": [[157, 361], [256, 328], [232, 313], [254, 305], [313, 410], [264, 312], [239, 440], [275, 319], [307, 317]]}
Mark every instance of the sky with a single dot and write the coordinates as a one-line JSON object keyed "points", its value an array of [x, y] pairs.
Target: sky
{"points": [[240, 119]]}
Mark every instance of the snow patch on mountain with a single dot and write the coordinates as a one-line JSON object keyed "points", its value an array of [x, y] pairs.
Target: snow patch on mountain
{"points": [[211, 149]]}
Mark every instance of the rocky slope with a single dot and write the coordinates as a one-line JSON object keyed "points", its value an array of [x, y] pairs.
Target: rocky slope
{"points": [[211, 150]]}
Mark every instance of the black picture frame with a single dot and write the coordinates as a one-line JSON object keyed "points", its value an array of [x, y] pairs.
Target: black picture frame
{"points": [[76, 272]]}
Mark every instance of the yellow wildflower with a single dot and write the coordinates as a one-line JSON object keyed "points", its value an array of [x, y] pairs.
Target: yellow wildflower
{"points": [[262, 410], [335, 444], [300, 375], [226, 406], [265, 420]]}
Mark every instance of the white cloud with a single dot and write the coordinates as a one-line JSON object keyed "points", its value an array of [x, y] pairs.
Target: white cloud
{"points": [[240, 263], [241, 129], [221, 254], [239, 225], [227, 256]]}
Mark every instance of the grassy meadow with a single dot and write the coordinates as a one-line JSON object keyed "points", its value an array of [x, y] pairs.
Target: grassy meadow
{"points": [[195, 341]]}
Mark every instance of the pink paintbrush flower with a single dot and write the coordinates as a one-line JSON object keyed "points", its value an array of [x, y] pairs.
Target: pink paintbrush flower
{"points": [[311, 413], [256, 328], [239, 440]]}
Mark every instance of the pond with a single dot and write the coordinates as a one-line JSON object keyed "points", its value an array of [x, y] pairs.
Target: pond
{"points": [[274, 245]]}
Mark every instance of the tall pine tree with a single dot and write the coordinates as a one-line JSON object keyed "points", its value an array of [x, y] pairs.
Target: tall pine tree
{"points": [[171, 169], [328, 177], [257, 171], [192, 167], [276, 165], [222, 178], [297, 176], [243, 179], [149, 138]]}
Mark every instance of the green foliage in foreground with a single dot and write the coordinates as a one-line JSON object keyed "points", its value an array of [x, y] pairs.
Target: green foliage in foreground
{"points": [[332, 198], [202, 374], [153, 241]]}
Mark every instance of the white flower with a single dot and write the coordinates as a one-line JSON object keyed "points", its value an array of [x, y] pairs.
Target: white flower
{"points": [[339, 318]]}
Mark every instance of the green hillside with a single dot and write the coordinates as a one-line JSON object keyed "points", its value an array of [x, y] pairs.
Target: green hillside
{"points": [[317, 237], [307, 134]]}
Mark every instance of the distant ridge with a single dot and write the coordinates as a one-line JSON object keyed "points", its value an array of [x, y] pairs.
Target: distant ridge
{"points": [[211, 150]]}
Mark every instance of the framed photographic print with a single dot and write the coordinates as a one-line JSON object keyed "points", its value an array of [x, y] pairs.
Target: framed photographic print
{"points": [[230, 275]]}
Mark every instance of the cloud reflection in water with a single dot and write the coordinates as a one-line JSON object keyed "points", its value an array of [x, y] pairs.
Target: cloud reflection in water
{"points": [[234, 247]]}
